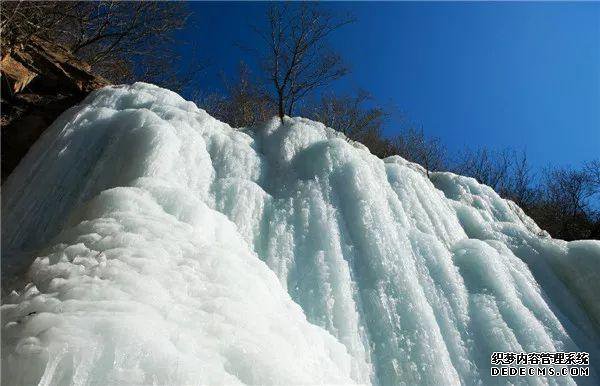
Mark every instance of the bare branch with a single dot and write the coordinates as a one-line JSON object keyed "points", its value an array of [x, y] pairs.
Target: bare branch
{"points": [[296, 60]]}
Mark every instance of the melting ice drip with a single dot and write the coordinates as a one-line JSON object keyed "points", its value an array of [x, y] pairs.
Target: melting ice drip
{"points": [[159, 245]]}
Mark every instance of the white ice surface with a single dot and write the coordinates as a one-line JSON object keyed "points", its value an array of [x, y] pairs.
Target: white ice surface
{"points": [[155, 245]]}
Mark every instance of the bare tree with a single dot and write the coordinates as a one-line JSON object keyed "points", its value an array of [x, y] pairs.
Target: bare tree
{"points": [[380, 146], [20, 21], [349, 115], [561, 202], [244, 104], [114, 32], [121, 40], [412, 145], [565, 208], [519, 183], [569, 189], [507, 171], [297, 61], [489, 167], [354, 117], [592, 169]]}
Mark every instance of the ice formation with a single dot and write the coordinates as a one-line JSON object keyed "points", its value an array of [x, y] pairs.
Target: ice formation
{"points": [[145, 242]]}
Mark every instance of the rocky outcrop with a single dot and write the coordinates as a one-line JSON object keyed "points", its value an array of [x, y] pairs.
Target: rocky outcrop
{"points": [[40, 80]]}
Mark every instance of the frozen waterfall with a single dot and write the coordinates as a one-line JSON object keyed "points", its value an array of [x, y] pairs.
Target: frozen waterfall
{"points": [[145, 242]]}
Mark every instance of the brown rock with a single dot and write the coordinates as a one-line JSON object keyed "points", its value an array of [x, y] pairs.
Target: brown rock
{"points": [[39, 81], [15, 74]]}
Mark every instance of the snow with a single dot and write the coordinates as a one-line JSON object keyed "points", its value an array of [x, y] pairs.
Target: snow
{"points": [[145, 242]]}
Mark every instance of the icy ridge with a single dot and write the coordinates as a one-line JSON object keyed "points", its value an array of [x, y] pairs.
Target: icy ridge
{"points": [[163, 246]]}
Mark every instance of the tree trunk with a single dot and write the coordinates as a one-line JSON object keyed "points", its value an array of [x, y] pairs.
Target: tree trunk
{"points": [[281, 108]]}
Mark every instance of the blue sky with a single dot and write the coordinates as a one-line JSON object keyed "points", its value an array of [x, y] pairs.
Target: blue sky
{"points": [[520, 75]]}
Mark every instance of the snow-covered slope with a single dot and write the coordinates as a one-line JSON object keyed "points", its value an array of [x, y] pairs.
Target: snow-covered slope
{"points": [[156, 245]]}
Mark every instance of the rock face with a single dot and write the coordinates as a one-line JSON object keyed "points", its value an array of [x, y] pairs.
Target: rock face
{"points": [[40, 80]]}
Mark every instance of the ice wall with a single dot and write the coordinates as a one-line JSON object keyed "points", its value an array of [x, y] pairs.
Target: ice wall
{"points": [[154, 244]]}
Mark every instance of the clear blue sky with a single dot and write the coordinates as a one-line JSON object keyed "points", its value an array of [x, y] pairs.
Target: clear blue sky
{"points": [[520, 75]]}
